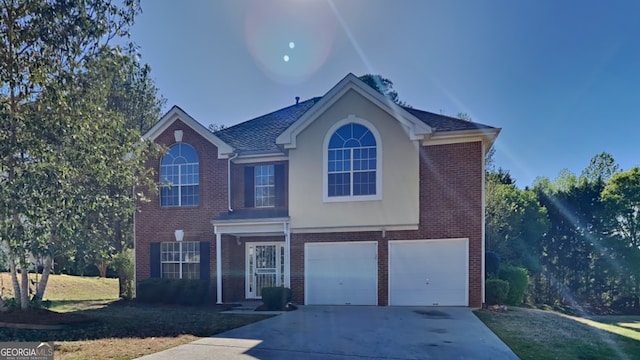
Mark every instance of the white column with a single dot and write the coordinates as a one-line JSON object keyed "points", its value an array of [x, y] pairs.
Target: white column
{"points": [[287, 256], [218, 266]]}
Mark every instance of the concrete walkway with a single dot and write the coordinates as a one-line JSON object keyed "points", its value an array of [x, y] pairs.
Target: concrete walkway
{"points": [[353, 332]]}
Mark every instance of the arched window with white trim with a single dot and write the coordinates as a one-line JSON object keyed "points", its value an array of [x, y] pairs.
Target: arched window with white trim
{"points": [[352, 163], [180, 176]]}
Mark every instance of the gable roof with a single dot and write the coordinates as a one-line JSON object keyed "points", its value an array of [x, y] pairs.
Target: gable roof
{"points": [[263, 134], [258, 135], [416, 129], [176, 113], [269, 134]]}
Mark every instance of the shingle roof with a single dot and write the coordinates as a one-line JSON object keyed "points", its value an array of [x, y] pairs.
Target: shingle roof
{"points": [[440, 123], [259, 135]]}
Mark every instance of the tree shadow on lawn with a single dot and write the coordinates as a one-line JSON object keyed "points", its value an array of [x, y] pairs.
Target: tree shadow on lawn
{"points": [[126, 319]]}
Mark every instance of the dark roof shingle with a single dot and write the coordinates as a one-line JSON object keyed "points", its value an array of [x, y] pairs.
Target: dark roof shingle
{"points": [[259, 135], [440, 123]]}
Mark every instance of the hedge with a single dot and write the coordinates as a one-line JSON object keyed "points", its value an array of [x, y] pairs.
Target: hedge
{"points": [[496, 291], [173, 291]]}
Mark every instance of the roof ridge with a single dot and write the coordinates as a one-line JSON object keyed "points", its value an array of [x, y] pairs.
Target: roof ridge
{"points": [[271, 113]]}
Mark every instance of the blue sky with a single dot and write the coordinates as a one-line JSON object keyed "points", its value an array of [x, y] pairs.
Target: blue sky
{"points": [[561, 78]]}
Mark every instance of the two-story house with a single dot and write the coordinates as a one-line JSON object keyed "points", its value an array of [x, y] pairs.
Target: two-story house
{"points": [[346, 198]]}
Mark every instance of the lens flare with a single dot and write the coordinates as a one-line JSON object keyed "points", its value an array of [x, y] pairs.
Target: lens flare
{"points": [[279, 32]]}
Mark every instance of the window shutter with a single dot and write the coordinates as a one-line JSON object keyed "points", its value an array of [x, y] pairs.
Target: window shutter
{"points": [[249, 187], [154, 253], [279, 184], [204, 260]]}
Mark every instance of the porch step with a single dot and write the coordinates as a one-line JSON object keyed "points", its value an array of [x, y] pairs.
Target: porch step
{"points": [[247, 305]]}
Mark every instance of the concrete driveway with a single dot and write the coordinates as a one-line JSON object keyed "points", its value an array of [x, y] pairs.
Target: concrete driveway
{"points": [[353, 332]]}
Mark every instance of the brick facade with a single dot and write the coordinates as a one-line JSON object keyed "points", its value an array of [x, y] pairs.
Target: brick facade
{"points": [[450, 207], [158, 224]]}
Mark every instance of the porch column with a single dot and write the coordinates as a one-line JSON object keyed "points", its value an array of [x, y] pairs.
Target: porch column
{"points": [[287, 256], [218, 266]]}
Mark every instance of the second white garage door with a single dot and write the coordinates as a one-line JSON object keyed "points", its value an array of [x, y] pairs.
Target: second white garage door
{"points": [[429, 272], [343, 273]]}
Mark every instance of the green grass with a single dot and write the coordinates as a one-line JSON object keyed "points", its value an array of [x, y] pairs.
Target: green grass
{"points": [[67, 287], [539, 334], [104, 328]]}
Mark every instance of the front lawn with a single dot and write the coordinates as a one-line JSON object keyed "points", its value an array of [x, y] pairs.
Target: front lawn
{"points": [[539, 334], [107, 329]]}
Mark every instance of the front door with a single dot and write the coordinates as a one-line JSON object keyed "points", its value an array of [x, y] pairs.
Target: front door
{"points": [[265, 267]]}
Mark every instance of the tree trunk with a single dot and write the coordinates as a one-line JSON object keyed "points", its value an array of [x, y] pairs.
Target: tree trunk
{"points": [[24, 295], [14, 278], [42, 285], [102, 268]]}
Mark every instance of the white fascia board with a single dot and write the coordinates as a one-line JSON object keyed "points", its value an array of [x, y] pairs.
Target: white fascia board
{"points": [[487, 136], [416, 128], [260, 158], [175, 113]]}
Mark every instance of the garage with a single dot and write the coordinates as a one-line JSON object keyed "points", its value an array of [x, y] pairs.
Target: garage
{"points": [[429, 272], [344, 273]]}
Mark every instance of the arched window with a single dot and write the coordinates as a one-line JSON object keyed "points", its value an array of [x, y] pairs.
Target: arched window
{"points": [[352, 162], [179, 176]]}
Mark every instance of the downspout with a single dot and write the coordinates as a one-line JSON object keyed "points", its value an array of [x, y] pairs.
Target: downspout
{"points": [[229, 181]]}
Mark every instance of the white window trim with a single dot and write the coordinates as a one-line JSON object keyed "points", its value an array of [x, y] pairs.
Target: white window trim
{"points": [[256, 186], [178, 186], [325, 162], [180, 262]]}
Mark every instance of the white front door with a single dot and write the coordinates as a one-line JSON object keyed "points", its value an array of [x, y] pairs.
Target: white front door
{"points": [[265, 267]]}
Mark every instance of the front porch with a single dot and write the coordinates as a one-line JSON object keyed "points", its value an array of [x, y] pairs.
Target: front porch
{"points": [[251, 253]]}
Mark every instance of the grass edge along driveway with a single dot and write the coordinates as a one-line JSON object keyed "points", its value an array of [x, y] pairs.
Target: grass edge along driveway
{"points": [[540, 334]]}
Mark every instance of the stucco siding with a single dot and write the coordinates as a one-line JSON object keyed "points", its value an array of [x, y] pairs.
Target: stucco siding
{"points": [[400, 179]]}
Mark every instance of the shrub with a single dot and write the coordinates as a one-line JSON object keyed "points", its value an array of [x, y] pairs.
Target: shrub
{"points": [[492, 264], [123, 263], [518, 279], [276, 298], [496, 291], [173, 291]]}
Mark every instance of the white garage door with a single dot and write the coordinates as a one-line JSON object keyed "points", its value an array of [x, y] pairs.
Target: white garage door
{"points": [[429, 272], [341, 273]]}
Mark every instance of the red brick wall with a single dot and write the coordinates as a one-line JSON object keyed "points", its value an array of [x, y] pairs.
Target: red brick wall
{"points": [[157, 224], [450, 207]]}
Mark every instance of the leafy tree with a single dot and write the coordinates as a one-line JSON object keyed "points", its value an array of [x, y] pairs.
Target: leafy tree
{"points": [[56, 138], [213, 127], [622, 198], [601, 168], [384, 86], [515, 224]]}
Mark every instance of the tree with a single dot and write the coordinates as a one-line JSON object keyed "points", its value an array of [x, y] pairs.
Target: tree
{"points": [[515, 224], [56, 137], [213, 127], [384, 86], [601, 168]]}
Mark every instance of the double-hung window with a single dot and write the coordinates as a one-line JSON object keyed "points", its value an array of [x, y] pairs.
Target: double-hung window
{"points": [[179, 176], [352, 162], [180, 260], [265, 186]]}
